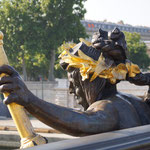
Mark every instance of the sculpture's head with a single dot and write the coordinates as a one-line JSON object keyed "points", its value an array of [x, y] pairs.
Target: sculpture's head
{"points": [[85, 91], [76, 88], [93, 68]]}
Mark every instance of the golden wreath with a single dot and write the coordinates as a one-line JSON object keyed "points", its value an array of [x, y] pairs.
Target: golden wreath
{"points": [[98, 68]]}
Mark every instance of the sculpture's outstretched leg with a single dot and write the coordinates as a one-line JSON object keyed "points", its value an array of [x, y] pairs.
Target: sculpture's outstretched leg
{"points": [[28, 137]]}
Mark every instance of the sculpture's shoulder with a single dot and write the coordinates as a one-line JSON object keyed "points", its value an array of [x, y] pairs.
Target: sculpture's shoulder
{"points": [[102, 105], [135, 105], [104, 113], [115, 107]]}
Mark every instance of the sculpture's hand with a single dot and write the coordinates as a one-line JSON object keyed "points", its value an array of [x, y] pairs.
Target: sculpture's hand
{"points": [[115, 54], [140, 79], [113, 45], [14, 85], [108, 48], [97, 41]]}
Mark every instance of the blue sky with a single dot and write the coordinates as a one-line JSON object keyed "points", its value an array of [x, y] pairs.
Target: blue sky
{"points": [[134, 12]]}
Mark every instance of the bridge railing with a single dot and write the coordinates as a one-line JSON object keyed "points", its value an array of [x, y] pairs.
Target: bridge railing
{"points": [[137, 138]]}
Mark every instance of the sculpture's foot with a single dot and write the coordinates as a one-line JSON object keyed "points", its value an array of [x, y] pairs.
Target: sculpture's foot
{"points": [[33, 141]]}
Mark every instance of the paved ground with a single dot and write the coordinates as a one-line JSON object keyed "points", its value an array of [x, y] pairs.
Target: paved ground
{"points": [[4, 122], [9, 122], [12, 139]]}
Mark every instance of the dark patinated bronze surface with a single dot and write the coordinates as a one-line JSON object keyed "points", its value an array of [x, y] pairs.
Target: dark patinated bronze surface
{"points": [[106, 109]]}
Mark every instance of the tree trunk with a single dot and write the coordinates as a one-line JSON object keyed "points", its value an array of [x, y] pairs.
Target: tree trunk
{"points": [[24, 69], [51, 66]]}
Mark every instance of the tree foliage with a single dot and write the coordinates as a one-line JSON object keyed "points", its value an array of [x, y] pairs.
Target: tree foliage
{"points": [[21, 26], [34, 29], [137, 50], [62, 23]]}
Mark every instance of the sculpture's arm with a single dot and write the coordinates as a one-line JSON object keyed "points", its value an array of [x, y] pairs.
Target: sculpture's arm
{"points": [[140, 79], [100, 117]]}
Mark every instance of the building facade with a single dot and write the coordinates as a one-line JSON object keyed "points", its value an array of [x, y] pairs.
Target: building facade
{"points": [[93, 26]]}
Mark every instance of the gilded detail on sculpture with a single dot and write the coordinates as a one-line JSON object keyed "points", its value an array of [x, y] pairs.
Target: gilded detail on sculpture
{"points": [[99, 68]]}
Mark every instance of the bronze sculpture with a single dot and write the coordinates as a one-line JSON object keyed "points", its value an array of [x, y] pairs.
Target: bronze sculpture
{"points": [[106, 109]]}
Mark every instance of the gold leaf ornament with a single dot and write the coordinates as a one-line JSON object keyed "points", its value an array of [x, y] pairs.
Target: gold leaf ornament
{"points": [[133, 69], [120, 71], [99, 68]]}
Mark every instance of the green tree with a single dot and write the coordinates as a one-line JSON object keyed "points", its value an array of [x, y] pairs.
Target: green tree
{"points": [[20, 22], [34, 30], [62, 23], [137, 50]]}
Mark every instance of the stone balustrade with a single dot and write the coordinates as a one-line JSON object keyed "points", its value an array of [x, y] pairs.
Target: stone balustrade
{"points": [[57, 92]]}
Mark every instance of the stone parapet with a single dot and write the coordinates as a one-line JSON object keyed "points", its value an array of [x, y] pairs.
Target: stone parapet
{"points": [[58, 93]]}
